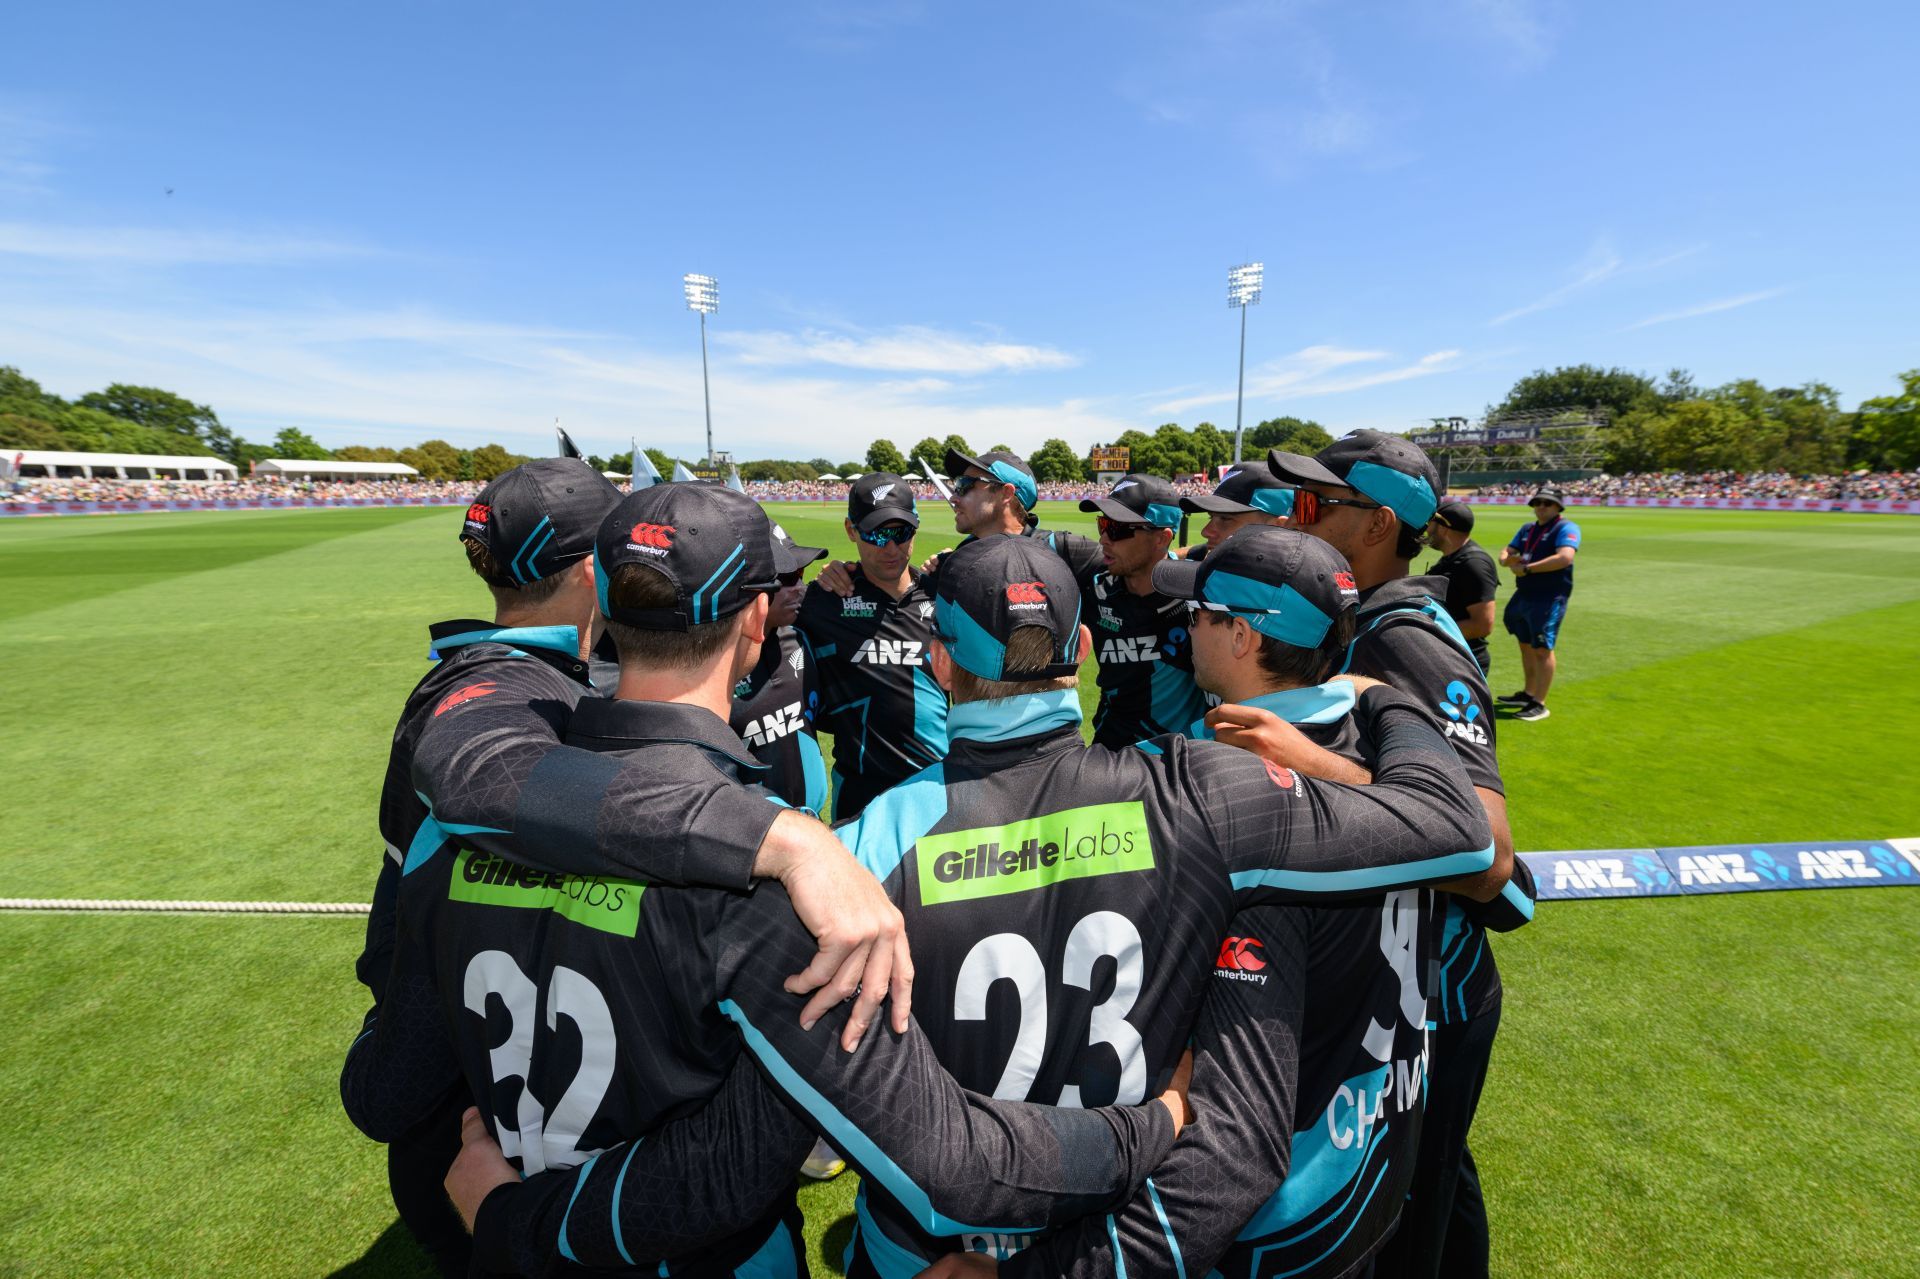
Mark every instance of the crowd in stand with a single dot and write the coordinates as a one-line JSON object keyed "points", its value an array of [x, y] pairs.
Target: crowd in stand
{"points": [[1868, 486], [254, 489], [1865, 485]]}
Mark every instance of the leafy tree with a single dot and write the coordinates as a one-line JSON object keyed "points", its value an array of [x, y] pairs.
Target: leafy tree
{"points": [[661, 462], [152, 407], [1056, 462], [821, 465], [1288, 434], [490, 460], [884, 455], [434, 459], [597, 462], [957, 443], [849, 468], [292, 442], [1176, 451], [932, 452], [1886, 434], [1212, 446], [1584, 386], [361, 453], [1005, 448], [21, 432]]}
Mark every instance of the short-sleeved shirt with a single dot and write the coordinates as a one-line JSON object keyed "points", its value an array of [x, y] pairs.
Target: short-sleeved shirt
{"points": [[873, 657], [773, 709], [1144, 647], [1471, 579], [1536, 541]]}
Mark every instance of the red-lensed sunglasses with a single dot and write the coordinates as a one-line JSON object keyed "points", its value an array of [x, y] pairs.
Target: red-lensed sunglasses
{"points": [[1117, 530], [1307, 504]]}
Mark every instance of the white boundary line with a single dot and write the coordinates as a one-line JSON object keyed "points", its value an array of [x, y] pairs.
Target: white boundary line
{"points": [[99, 905]]}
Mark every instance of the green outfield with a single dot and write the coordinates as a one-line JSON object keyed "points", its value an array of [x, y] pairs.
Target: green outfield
{"points": [[199, 707]]}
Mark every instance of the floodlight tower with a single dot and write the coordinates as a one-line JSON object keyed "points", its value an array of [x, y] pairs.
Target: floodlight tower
{"points": [[1243, 291], [703, 295]]}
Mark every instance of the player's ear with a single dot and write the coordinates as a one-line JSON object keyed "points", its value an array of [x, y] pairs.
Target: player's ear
{"points": [[853, 534], [943, 665], [753, 618], [1382, 524], [1086, 644]]}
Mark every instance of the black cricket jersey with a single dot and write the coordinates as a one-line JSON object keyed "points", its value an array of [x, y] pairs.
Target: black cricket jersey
{"points": [[773, 709], [1471, 579], [1406, 639], [1144, 646], [1067, 902], [871, 654], [473, 660], [585, 1010], [1316, 1026]]}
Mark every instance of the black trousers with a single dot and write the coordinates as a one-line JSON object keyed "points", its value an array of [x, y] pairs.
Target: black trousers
{"points": [[416, 1175], [1443, 1228]]}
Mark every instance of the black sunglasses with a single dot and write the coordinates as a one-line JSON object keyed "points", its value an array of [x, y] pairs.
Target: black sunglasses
{"points": [[1307, 504], [965, 483]]}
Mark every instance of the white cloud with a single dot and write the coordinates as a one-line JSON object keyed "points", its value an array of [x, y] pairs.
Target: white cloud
{"points": [[910, 348], [1602, 263], [1706, 308], [155, 247], [1320, 370]]}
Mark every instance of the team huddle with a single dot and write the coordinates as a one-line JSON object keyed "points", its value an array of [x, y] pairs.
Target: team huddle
{"points": [[1211, 994]]}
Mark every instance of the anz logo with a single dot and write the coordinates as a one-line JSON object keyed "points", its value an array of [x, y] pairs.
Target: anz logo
{"points": [[1137, 648], [886, 652], [774, 725], [1462, 715]]}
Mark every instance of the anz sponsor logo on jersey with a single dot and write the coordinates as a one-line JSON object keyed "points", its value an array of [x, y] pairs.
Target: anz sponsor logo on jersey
{"points": [[1461, 715], [1129, 648], [774, 725], [887, 652]]}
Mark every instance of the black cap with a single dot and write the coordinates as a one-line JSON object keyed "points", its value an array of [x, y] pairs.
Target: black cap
{"points": [[1139, 499], [1390, 469], [716, 546], [1287, 584], [1250, 490], [539, 517], [789, 556], [991, 587], [879, 497], [1455, 514], [1008, 468], [1548, 494]]}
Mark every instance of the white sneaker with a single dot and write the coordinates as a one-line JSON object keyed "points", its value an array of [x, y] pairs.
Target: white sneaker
{"points": [[823, 1163]]}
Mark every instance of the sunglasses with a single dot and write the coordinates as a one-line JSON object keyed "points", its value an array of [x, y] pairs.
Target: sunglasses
{"points": [[965, 483], [888, 535], [1117, 530], [1307, 504]]}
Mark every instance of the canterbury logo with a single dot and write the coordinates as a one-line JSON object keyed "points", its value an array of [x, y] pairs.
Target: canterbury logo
{"points": [[461, 696], [1241, 955], [1026, 593], [1282, 777], [479, 513], [658, 536], [1344, 581]]}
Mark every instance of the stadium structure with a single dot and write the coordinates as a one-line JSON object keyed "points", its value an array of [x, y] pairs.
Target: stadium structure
{"points": [[1527, 447]]}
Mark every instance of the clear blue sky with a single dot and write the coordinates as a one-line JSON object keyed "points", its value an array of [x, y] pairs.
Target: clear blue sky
{"points": [[389, 222]]}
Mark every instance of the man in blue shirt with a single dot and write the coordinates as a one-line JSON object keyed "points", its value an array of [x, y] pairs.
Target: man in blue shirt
{"points": [[1541, 557]]}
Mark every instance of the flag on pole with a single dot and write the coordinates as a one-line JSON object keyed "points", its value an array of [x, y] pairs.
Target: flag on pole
{"points": [[681, 475], [567, 447], [933, 473], [733, 480]]}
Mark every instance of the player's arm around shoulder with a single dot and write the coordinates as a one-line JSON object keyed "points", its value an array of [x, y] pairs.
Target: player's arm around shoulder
{"points": [[959, 1162]]}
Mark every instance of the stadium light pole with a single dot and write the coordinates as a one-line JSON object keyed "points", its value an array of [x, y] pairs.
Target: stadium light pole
{"points": [[703, 295], [1243, 291]]}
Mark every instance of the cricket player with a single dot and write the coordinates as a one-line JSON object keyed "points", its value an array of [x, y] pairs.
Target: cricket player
{"points": [[1251, 497], [1140, 636], [870, 650], [584, 1010], [1370, 496], [775, 703]]}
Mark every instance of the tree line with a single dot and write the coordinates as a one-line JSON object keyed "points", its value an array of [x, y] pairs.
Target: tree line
{"points": [[1665, 425]]}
